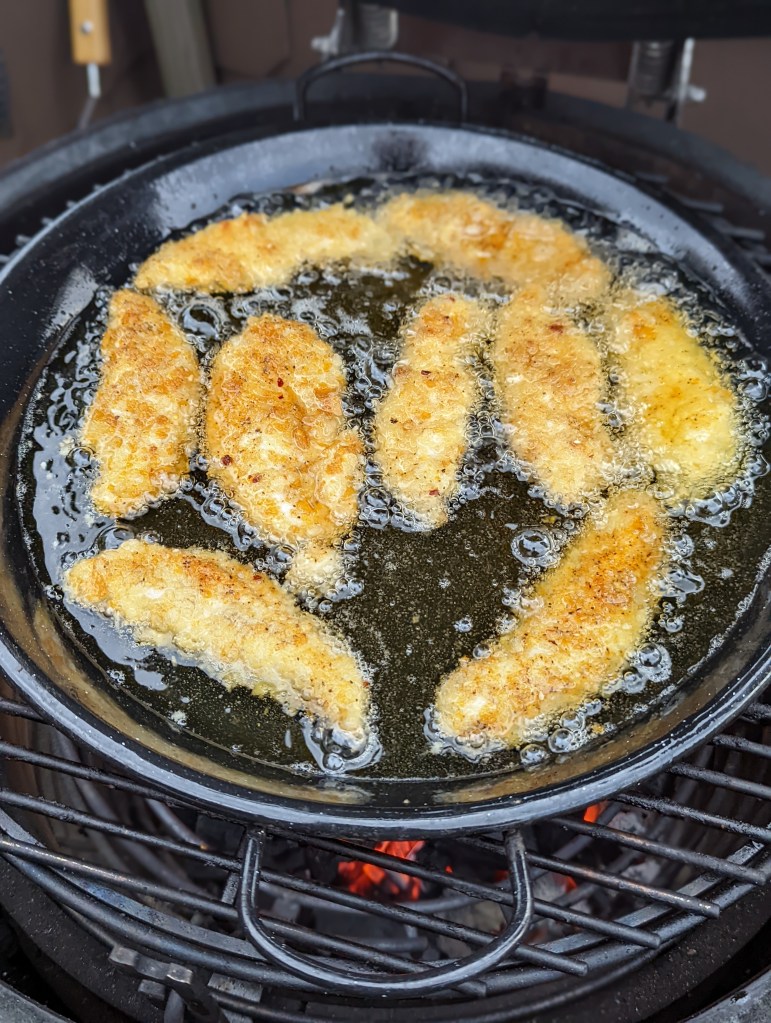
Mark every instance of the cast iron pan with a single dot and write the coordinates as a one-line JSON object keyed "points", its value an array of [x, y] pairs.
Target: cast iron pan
{"points": [[47, 286], [50, 283]]}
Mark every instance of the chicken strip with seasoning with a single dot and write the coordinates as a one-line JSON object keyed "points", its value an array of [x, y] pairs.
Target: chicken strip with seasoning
{"points": [[238, 626], [421, 426], [254, 251], [141, 425], [684, 416], [549, 380], [591, 611], [476, 237], [277, 442]]}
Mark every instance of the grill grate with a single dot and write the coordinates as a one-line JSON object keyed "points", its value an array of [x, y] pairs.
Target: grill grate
{"points": [[612, 888], [149, 872]]}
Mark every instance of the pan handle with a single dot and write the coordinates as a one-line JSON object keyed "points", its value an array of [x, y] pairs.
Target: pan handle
{"points": [[312, 75], [341, 980]]}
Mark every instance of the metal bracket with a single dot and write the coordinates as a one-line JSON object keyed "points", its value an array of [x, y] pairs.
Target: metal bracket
{"points": [[359, 26], [660, 72], [199, 1003]]}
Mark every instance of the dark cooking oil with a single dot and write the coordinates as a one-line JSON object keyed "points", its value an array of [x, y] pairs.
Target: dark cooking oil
{"points": [[413, 602]]}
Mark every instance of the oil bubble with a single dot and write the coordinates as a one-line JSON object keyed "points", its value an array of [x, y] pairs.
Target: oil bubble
{"points": [[534, 548]]}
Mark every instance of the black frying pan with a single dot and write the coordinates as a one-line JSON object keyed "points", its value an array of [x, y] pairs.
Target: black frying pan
{"points": [[48, 285]]}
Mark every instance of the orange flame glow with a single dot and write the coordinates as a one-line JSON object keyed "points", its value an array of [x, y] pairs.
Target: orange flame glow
{"points": [[591, 813], [371, 881]]}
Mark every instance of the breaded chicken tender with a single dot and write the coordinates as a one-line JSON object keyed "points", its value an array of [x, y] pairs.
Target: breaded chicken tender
{"points": [[684, 416], [421, 425], [141, 425], [278, 445], [240, 627], [460, 230], [549, 379], [253, 251], [591, 611]]}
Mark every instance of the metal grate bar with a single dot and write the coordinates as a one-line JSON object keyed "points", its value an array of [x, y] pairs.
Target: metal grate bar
{"points": [[712, 864], [80, 818], [622, 884], [738, 742], [311, 939], [672, 809], [413, 917], [19, 710], [86, 820], [78, 770], [478, 890], [758, 711], [724, 781], [404, 915]]}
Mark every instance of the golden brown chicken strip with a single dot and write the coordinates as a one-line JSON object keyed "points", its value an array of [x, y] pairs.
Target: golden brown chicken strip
{"points": [[549, 379], [278, 444], [240, 627], [141, 425], [421, 426], [684, 416], [461, 230], [254, 251], [591, 611]]}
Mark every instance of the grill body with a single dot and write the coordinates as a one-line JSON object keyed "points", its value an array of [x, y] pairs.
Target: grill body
{"points": [[101, 866]]}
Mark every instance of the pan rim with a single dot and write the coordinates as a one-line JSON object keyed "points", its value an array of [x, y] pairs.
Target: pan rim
{"points": [[220, 796]]}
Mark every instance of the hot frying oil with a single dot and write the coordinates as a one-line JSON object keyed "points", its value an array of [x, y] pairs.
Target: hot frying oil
{"points": [[413, 602]]}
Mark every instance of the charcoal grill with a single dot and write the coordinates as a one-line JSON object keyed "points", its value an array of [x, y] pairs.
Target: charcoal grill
{"points": [[147, 887]]}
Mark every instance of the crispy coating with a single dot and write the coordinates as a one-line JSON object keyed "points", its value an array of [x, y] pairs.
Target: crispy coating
{"points": [[238, 626], [277, 441], [591, 611], [141, 425], [549, 379], [421, 426], [253, 251], [479, 238], [684, 415]]}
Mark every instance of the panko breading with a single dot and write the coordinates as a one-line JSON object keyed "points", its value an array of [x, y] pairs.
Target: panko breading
{"points": [[421, 426], [454, 228], [254, 251], [684, 416], [461, 230], [549, 379], [240, 627], [141, 425], [277, 441], [591, 611]]}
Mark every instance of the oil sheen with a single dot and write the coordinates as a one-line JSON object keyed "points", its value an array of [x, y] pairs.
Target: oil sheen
{"points": [[413, 602]]}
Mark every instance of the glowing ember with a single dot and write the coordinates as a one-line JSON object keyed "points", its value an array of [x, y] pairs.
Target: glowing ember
{"points": [[591, 813], [375, 882]]}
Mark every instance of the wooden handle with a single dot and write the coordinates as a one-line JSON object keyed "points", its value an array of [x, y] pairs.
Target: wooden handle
{"points": [[90, 32]]}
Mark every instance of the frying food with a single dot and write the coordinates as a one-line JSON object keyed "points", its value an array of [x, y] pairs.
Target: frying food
{"points": [[253, 251], [421, 426], [278, 445], [549, 380], [238, 626], [684, 415], [591, 611], [141, 425], [461, 230]]}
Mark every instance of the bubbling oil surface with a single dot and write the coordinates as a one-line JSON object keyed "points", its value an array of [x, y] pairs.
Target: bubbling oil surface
{"points": [[413, 602]]}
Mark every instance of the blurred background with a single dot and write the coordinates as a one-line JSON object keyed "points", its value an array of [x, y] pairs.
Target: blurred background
{"points": [[148, 49]]}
